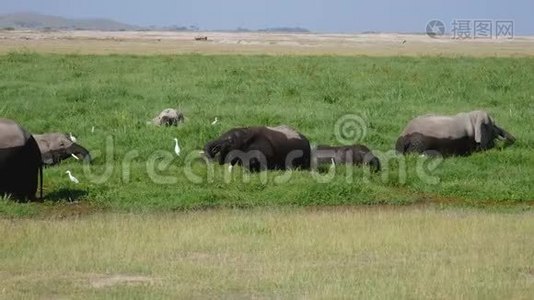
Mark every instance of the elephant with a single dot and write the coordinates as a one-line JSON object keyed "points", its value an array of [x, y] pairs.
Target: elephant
{"points": [[56, 147], [261, 148], [168, 117], [457, 135], [351, 154], [21, 167]]}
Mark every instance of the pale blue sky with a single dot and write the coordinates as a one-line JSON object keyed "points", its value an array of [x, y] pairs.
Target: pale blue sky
{"points": [[316, 15]]}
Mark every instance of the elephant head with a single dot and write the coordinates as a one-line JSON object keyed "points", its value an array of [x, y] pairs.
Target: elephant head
{"points": [[56, 147], [168, 117], [234, 139], [486, 131]]}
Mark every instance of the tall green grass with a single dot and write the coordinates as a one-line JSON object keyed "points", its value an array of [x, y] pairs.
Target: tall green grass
{"points": [[119, 94]]}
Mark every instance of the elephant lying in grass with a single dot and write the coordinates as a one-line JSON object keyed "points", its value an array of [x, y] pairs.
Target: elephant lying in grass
{"points": [[168, 117], [461, 134], [261, 148], [20, 162], [352, 154], [56, 147]]}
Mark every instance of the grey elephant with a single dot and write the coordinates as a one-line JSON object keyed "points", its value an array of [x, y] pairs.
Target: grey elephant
{"points": [[168, 117], [261, 148], [460, 134], [350, 154], [21, 168], [56, 147]]}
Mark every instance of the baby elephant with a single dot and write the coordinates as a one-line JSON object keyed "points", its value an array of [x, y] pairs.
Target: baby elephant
{"points": [[261, 148], [168, 117], [56, 147], [352, 154], [461, 134]]}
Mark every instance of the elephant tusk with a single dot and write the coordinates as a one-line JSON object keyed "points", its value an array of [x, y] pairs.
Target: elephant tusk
{"points": [[76, 157]]}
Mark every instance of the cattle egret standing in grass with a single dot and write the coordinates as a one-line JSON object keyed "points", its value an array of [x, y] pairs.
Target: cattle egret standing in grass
{"points": [[72, 138], [214, 121], [72, 178], [176, 147], [93, 129], [230, 167]]}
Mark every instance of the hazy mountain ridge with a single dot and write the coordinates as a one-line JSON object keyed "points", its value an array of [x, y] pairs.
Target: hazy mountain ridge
{"points": [[39, 21], [48, 22]]}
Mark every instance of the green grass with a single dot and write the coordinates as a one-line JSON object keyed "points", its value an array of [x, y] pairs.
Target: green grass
{"points": [[379, 253], [119, 94]]}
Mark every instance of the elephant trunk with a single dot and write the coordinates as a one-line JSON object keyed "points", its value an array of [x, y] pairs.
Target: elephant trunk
{"points": [[509, 139], [80, 152]]}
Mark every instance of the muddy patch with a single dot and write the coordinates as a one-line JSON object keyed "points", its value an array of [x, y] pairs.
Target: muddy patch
{"points": [[103, 281]]}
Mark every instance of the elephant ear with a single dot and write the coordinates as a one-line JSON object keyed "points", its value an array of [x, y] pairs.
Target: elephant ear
{"points": [[241, 138], [483, 128]]}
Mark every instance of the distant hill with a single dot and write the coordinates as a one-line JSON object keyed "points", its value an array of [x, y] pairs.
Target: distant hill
{"points": [[38, 21], [47, 22], [285, 29], [272, 29]]}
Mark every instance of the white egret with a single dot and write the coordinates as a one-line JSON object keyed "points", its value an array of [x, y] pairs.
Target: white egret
{"points": [[72, 178], [72, 138], [215, 121], [176, 147]]}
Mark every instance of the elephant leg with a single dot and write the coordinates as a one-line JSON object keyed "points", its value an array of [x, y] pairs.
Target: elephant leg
{"points": [[260, 156], [411, 143], [35, 163], [407, 144], [302, 161], [5, 171], [16, 176]]}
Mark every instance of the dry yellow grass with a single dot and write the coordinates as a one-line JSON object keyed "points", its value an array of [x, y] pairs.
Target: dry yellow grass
{"points": [[142, 43], [353, 253]]}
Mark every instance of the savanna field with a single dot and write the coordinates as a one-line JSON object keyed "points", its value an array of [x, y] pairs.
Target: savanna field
{"points": [[123, 235]]}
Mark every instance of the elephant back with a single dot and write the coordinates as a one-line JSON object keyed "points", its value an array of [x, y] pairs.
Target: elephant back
{"points": [[285, 140], [12, 135], [435, 126]]}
